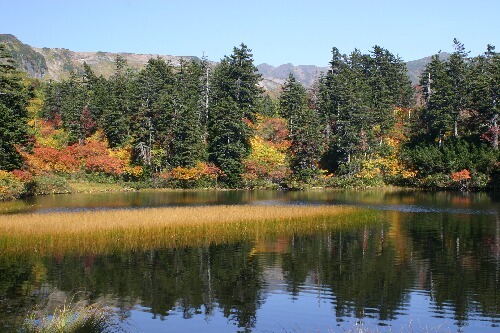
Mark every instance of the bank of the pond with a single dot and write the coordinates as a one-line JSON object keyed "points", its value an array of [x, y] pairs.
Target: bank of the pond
{"points": [[126, 229]]}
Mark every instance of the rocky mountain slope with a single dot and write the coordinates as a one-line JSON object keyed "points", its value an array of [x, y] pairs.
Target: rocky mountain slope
{"points": [[57, 63]]}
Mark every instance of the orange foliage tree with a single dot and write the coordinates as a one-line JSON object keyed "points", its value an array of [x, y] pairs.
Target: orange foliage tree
{"points": [[93, 156]]}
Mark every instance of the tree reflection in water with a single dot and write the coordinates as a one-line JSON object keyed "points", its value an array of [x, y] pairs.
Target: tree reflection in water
{"points": [[371, 270]]}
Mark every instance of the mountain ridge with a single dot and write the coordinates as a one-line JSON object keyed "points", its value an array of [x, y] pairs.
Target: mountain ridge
{"points": [[57, 64]]}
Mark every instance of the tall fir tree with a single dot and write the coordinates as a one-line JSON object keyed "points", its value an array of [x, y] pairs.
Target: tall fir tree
{"points": [[485, 89], [234, 93], [73, 104], [437, 114], [151, 118], [116, 117], [304, 130], [188, 124], [356, 101], [458, 74], [13, 113]]}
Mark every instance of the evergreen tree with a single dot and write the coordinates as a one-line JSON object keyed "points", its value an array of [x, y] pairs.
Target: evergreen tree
{"points": [[188, 124], [73, 103], [304, 130], [356, 101], [486, 92], [457, 70], [13, 113], [436, 94], [266, 106], [233, 99], [151, 120], [446, 92], [333, 98], [96, 94], [390, 87], [116, 117]]}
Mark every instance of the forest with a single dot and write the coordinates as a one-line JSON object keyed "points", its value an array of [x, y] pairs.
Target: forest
{"points": [[206, 125]]}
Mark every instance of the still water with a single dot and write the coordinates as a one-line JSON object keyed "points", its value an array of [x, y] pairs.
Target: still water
{"points": [[428, 262]]}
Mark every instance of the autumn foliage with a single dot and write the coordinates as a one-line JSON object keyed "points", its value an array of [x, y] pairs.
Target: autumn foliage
{"points": [[92, 156], [460, 175], [268, 161], [192, 176]]}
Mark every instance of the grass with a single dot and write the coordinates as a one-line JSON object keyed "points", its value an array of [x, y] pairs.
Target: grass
{"points": [[92, 232], [89, 187], [79, 318]]}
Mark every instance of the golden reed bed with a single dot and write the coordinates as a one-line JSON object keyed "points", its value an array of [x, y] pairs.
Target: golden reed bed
{"points": [[115, 230]]}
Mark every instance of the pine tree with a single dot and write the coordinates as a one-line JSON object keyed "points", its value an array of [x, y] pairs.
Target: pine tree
{"points": [[13, 113], [233, 100]]}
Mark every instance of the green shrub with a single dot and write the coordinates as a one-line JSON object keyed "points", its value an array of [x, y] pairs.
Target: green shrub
{"points": [[47, 184], [437, 181], [348, 182]]}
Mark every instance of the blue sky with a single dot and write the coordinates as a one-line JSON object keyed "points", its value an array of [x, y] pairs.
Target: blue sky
{"points": [[278, 32]]}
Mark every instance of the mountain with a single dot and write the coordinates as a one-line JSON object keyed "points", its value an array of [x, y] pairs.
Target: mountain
{"points": [[26, 58], [416, 67], [57, 63], [274, 77]]}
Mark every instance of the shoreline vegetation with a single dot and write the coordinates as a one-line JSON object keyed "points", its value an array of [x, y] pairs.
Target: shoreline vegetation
{"points": [[201, 125], [92, 232]]}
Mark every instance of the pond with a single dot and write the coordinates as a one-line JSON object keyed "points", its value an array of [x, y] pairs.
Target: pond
{"points": [[426, 261]]}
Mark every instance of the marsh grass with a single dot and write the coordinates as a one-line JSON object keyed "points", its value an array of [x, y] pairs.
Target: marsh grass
{"points": [[89, 187], [79, 318], [92, 232]]}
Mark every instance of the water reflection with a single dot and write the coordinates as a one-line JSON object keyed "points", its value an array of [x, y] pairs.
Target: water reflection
{"points": [[397, 200], [432, 268]]}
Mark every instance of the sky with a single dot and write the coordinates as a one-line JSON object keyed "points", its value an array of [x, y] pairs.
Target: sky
{"points": [[277, 31]]}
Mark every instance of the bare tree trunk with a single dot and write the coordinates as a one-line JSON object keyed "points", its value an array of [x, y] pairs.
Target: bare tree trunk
{"points": [[495, 131]]}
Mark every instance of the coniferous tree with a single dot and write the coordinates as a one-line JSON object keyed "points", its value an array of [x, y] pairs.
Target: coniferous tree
{"points": [[436, 93], [233, 99], [13, 113], [332, 101], [266, 106], [446, 92], [356, 101], [73, 103], [390, 87], [486, 92], [152, 115], [116, 117], [457, 70], [96, 94], [188, 124], [304, 130]]}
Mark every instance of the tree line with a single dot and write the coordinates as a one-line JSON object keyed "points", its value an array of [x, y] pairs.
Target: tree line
{"points": [[361, 124]]}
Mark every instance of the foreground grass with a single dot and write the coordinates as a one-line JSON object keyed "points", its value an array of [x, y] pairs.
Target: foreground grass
{"points": [[93, 318], [120, 230]]}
